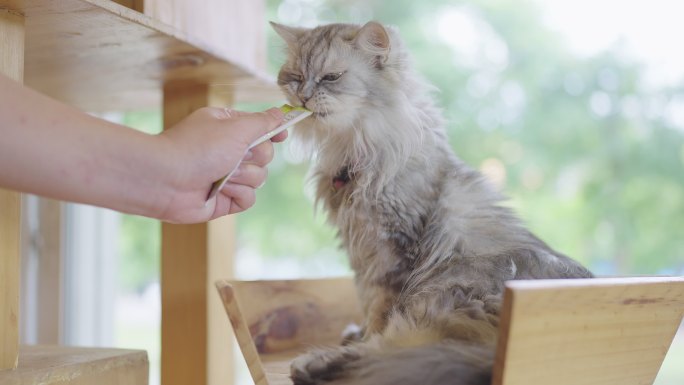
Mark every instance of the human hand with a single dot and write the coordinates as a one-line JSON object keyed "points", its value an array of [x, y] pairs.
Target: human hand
{"points": [[206, 146]]}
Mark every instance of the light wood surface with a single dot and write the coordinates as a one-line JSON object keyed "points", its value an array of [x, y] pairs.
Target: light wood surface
{"points": [[60, 365], [275, 321], [101, 56], [243, 39], [241, 330], [587, 332], [196, 340], [292, 314], [11, 64]]}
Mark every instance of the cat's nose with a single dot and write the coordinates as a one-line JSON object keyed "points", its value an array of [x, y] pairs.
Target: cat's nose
{"points": [[305, 97], [305, 93]]}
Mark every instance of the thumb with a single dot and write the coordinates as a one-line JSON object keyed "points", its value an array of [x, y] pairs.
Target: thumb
{"points": [[249, 127]]}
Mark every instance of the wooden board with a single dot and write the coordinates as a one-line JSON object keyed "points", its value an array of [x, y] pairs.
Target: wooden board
{"points": [[60, 365], [241, 330], [587, 332], [275, 321], [11, 64], [295, 314], [196, 340], [101, 56]]}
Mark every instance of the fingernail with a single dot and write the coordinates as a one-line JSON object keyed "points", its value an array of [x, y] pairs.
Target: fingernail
{"points": [[249, 155], [276, 113]]}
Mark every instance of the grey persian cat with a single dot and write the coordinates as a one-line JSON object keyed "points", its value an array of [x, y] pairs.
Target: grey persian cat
{"points": [[428, 241]]}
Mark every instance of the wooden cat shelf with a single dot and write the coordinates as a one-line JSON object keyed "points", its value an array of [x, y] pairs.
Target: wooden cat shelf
{"points": [[599, 331], [101, 56]]}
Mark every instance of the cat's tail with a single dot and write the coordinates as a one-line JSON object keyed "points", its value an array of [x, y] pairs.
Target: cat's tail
{"points": [[446, 363]]}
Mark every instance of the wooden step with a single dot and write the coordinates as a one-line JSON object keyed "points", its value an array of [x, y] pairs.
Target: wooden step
{"points": [[101, 56], [62, 365]]}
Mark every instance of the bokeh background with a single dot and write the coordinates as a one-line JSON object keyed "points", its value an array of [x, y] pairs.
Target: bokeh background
{"points": [[574, 108]]}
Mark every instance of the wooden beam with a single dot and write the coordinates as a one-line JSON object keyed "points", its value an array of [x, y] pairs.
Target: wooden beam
{"points": [[12, 65], [196, 336]]}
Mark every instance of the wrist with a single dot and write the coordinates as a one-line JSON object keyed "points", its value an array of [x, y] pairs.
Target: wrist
{"points": [[158, 177], [135, 168]]}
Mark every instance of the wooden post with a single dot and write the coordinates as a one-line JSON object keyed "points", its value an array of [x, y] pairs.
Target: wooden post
{"points": [[196, 336], [50, 289], [41, 271], [12, 65]]}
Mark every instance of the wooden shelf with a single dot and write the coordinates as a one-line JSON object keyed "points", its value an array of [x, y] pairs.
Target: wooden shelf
{"points": [[101, 56], [52, 365]]}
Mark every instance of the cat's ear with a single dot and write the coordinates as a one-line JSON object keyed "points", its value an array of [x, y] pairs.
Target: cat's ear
{"points": [[289, 34], [373, 38]]}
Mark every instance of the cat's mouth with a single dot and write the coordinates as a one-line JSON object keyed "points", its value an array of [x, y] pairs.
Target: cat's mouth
{"points": [[319, 114]]}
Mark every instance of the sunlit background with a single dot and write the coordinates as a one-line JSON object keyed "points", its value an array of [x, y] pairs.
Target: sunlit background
{"points": [[575, 108]]}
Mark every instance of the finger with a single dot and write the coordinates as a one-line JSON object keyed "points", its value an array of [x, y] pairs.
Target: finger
{"points": [[222, 205], [250, 126], [261, 154], [226, 112], [237, 197], [250, 175], [280, 137]]}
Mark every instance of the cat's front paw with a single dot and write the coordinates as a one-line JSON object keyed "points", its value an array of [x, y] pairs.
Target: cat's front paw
{"points": [[323, 365]]}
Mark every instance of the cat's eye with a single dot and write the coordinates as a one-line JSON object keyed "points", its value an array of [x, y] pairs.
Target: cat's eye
{"points": [[331, 77], [295, 77]]}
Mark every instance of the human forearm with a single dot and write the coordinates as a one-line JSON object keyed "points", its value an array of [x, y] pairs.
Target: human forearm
{"points": [[53, 150]]}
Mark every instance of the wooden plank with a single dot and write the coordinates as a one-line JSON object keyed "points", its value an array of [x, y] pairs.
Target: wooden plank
{"points": [[72, 44], [11, 64], [587, 332], [221, 263], [241, 330], [61, 365], [313, 311], [275, 321], [196, 339]]}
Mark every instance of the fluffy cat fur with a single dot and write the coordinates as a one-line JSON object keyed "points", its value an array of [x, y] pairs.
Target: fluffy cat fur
{"points": [[427, 239]]}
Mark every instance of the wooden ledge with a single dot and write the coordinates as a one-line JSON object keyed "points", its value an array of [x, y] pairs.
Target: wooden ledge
{"points": [[52, 365], [100, 56]]}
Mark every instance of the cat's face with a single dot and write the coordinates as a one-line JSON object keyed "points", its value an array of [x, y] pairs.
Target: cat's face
{"points": [[335, 70]]}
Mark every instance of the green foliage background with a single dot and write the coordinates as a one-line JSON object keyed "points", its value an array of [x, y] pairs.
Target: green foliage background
{"points": [[606, 189]]}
